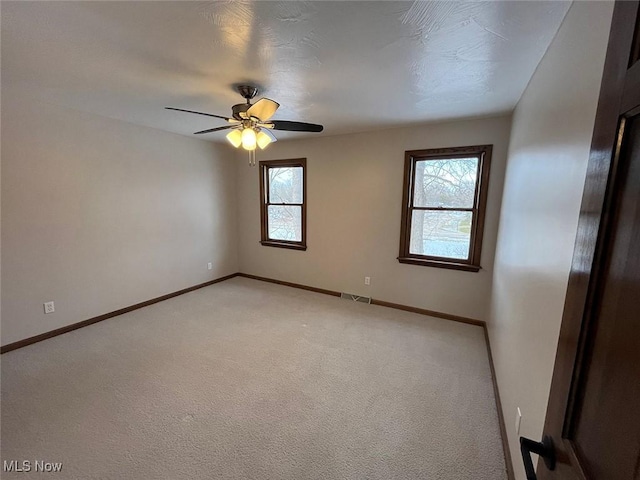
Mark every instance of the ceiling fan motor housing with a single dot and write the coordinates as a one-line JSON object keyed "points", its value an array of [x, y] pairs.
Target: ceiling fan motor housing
{"points": [[239, 110]]}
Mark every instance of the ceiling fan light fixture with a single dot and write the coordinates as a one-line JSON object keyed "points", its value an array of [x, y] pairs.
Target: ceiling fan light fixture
{"points": [[263, 140], [249, 139], [235, 138]]}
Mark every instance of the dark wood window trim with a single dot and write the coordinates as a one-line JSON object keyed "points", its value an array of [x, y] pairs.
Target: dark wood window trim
{"points": [[472, 264], [264, 203]]}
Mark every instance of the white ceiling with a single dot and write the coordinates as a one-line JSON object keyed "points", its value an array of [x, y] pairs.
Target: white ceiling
{"points": [[351, 66]]}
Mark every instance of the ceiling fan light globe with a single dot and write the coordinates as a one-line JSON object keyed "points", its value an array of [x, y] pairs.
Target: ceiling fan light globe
{"points": [[248, 139], [235, 138], [263, 140]]}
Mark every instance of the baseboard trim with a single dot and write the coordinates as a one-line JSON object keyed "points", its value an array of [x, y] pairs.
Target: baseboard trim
{"points": [[380, 303], [503, 429], [290, 284], [74, 326], [430, 313]]}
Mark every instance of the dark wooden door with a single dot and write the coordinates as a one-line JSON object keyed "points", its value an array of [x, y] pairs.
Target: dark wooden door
{"points": [[593, 415]]}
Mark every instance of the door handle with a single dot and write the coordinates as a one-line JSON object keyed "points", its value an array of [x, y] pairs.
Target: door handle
{"points": [[545, 449]]}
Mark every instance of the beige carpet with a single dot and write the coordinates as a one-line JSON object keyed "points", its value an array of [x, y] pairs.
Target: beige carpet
{"points": [[250, 380]]}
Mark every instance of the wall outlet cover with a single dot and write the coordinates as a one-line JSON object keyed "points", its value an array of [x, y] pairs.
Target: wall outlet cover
{"points": [[49, 307]]}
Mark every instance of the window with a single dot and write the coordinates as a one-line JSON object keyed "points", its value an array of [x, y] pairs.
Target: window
{"points": [[283, 212], [445, 194]]}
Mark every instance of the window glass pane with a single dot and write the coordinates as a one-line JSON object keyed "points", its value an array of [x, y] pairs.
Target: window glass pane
{"points": [[285, 222], [440, 234], [285, 185], [445, 183]]}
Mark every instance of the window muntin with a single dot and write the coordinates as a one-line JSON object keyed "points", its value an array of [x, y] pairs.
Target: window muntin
{"points": [[443, 206], [283, 209]]}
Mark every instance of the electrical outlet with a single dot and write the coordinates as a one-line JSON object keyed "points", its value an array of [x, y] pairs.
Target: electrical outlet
{"points": [[49, 307], [518, 420], [209, 266], [367, 280]]}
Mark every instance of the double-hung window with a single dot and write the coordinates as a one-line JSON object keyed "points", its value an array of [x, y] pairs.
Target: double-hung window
{"points": [[283, 212], [445, 195]]}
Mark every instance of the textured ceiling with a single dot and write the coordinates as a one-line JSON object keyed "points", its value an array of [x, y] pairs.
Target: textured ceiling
{"points": [[351, 66]]}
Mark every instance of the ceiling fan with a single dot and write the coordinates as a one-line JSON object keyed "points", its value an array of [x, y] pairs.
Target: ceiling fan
{"points": [[251, 124]]}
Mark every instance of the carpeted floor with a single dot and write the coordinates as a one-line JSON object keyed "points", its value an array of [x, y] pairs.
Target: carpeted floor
{"points": [[250, 380]]}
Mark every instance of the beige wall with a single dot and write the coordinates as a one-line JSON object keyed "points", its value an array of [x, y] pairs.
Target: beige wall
{"points": [[548, 154], [354, 200], [99, 214]]}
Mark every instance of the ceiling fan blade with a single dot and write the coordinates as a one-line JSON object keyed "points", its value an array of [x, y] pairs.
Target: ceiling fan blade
{"points": [[296, 126], [263, 109], [199, 113], [226, 127]]}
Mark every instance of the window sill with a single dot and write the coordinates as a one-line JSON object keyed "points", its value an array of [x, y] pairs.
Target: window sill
{"points": [[439, 264], [291, 246]]}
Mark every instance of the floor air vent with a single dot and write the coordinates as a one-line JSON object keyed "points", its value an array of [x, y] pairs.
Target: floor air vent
{"points": [[355, 298]]}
